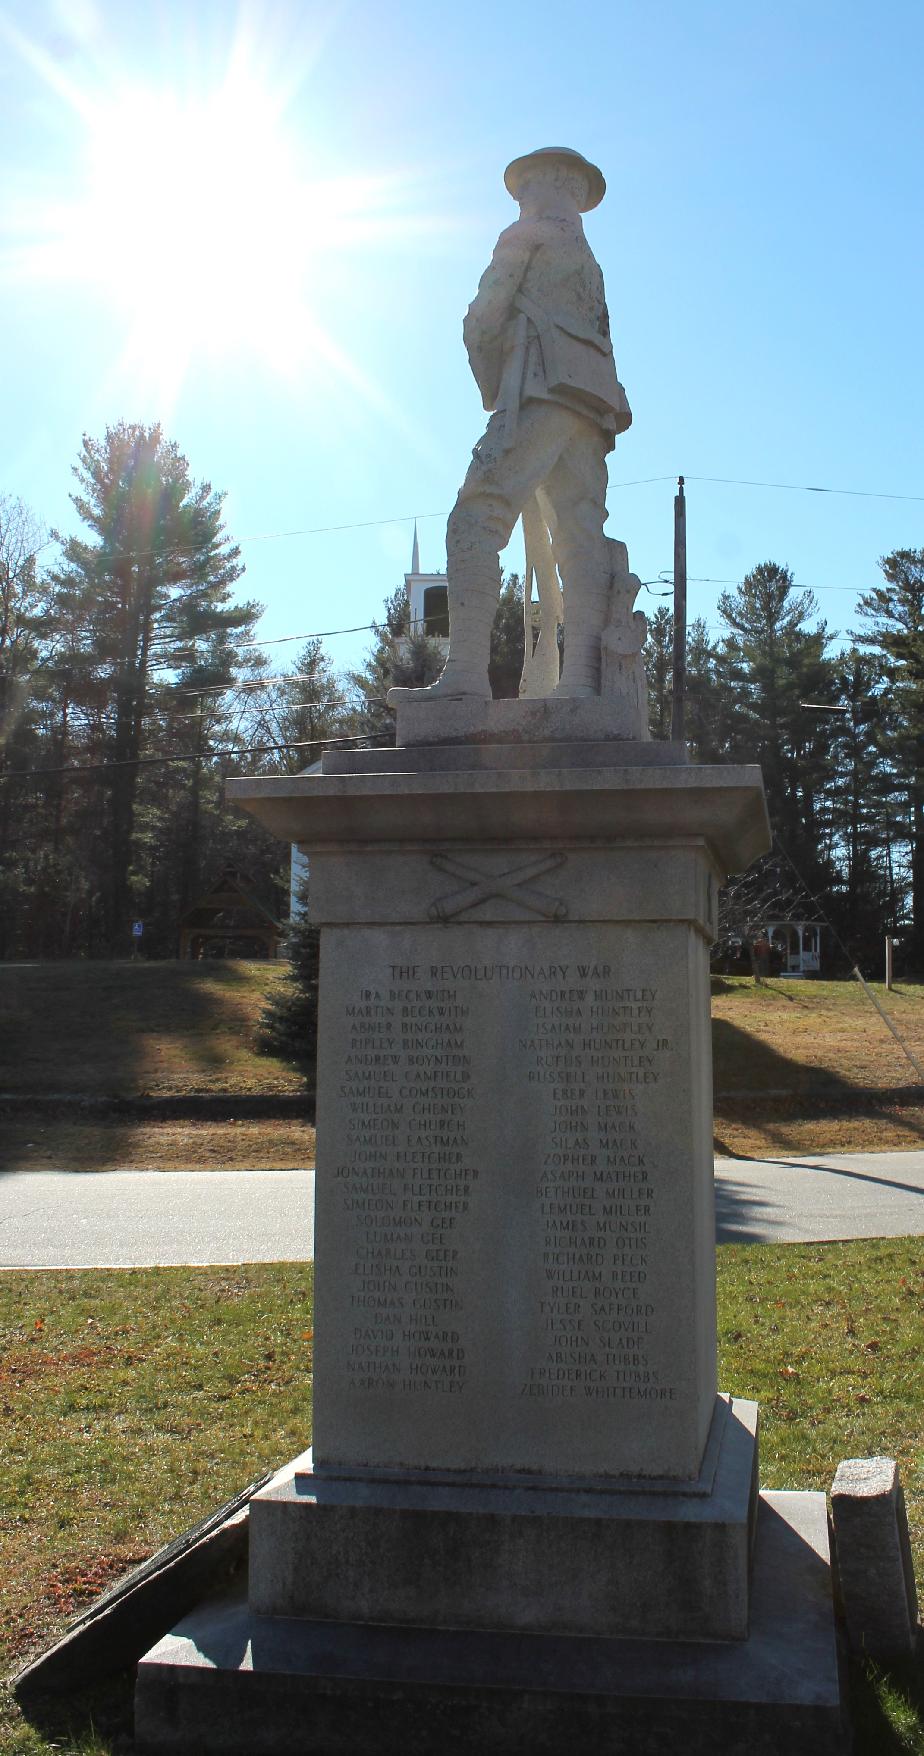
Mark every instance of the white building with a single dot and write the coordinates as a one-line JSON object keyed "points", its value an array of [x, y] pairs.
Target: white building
{"points": [[428, 595], [798, 944]]}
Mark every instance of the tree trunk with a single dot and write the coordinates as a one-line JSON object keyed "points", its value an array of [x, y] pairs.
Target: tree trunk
{"points": [[131, 702]]}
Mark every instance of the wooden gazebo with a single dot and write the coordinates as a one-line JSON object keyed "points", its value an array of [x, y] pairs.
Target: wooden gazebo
{"points": [[797, 945], [229, 921]]}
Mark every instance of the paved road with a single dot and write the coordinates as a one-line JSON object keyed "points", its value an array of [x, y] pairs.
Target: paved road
{"points": [[123, 1219], [132, 1219]]}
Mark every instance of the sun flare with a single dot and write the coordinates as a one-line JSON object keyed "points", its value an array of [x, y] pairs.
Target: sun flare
{"points": [[195, 220], [202, 216]]}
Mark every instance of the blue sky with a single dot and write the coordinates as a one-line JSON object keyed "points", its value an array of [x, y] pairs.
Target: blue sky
{"points": [[262, 225]]}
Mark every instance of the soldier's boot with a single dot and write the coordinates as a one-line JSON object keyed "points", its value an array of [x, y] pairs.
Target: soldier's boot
{"points": [[465, 673], [585, 620], [473, 588]]}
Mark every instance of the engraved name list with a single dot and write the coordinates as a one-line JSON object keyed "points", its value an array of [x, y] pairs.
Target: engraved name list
{"points": [[439, 1058]]}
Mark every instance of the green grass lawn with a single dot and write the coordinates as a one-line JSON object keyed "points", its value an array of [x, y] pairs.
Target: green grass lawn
{"points": [[795, 1063], [809, 1035], [120, 1029], [136, 1401]]}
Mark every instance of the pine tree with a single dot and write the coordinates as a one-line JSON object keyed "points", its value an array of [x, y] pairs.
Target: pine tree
{"points": [[863, 902], [289, 1023], [771, 661], [706, 719], [24, 809], [659, 659], [301, 714], [150, 590], [508, 636], [892, 618]]}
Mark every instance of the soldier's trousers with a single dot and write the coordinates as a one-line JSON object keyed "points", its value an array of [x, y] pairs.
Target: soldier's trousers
{"points": [[561, 457]]}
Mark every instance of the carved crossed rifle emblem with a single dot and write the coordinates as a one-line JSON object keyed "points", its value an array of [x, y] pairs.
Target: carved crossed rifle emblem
{"points": [[513, 885]]}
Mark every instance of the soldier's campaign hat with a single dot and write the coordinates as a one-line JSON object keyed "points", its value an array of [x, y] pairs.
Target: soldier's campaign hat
{"points": [[596, 186]]}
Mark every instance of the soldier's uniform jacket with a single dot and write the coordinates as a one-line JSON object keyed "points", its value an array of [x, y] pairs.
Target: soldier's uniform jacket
{"points": [[538, 327]]}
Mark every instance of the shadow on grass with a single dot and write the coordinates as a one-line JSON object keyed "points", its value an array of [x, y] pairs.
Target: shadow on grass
{"points": [[759, 1085], [887, 1708], [49, 1145], [99, 1718], [746, 1063], [101, 1028], [772, 988]]}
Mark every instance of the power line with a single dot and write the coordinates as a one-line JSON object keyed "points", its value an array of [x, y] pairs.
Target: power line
{"points": [[261, 536], [293, 706], [243, 683], [802, 488], [319, 530], [88, 658], [190, 756], [644, 481], [268, 536], [325, 634], [798, 584], [368, 627]]}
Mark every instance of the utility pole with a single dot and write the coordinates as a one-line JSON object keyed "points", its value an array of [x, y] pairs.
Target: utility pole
{"points": [[889, 945], [678, 690]]}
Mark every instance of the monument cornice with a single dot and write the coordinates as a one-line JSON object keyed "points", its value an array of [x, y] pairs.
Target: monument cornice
{"points": [[721, 805]]}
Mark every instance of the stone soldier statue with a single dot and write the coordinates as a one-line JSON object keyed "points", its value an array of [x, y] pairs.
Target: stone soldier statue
{"points": [[538, 341]]}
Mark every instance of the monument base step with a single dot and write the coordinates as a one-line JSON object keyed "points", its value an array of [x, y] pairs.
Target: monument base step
{"points": [[670, 1563], [229, 1682], [447, 719]]}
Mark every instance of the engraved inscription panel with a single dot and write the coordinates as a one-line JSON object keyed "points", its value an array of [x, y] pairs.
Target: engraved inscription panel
{"points": [[510, 1179]]}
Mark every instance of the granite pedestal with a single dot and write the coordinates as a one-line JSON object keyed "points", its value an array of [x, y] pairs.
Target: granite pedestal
{"points": [[650, 1561], [229, 1682], [527, 1507]]}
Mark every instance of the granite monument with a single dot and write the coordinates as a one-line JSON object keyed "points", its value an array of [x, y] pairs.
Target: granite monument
{"points": [[530, 1517]]}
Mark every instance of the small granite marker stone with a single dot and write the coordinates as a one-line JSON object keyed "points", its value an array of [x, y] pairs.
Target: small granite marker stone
{"points": [[874, 1557]]}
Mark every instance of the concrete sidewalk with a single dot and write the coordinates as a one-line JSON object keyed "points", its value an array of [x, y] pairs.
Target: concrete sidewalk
{"points": [[818, 1197], [133, 1219]]}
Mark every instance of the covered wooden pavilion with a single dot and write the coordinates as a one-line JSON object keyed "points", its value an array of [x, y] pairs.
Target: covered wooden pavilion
{"points": [[229, 921]]}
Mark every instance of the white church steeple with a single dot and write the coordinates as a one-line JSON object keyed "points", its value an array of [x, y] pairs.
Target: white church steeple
{"points": [[427, 595]]}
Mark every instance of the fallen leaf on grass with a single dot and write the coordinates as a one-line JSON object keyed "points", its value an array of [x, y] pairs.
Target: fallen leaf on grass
{"points": [[72, 1585], [788, 1372], [35, 1365]]}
